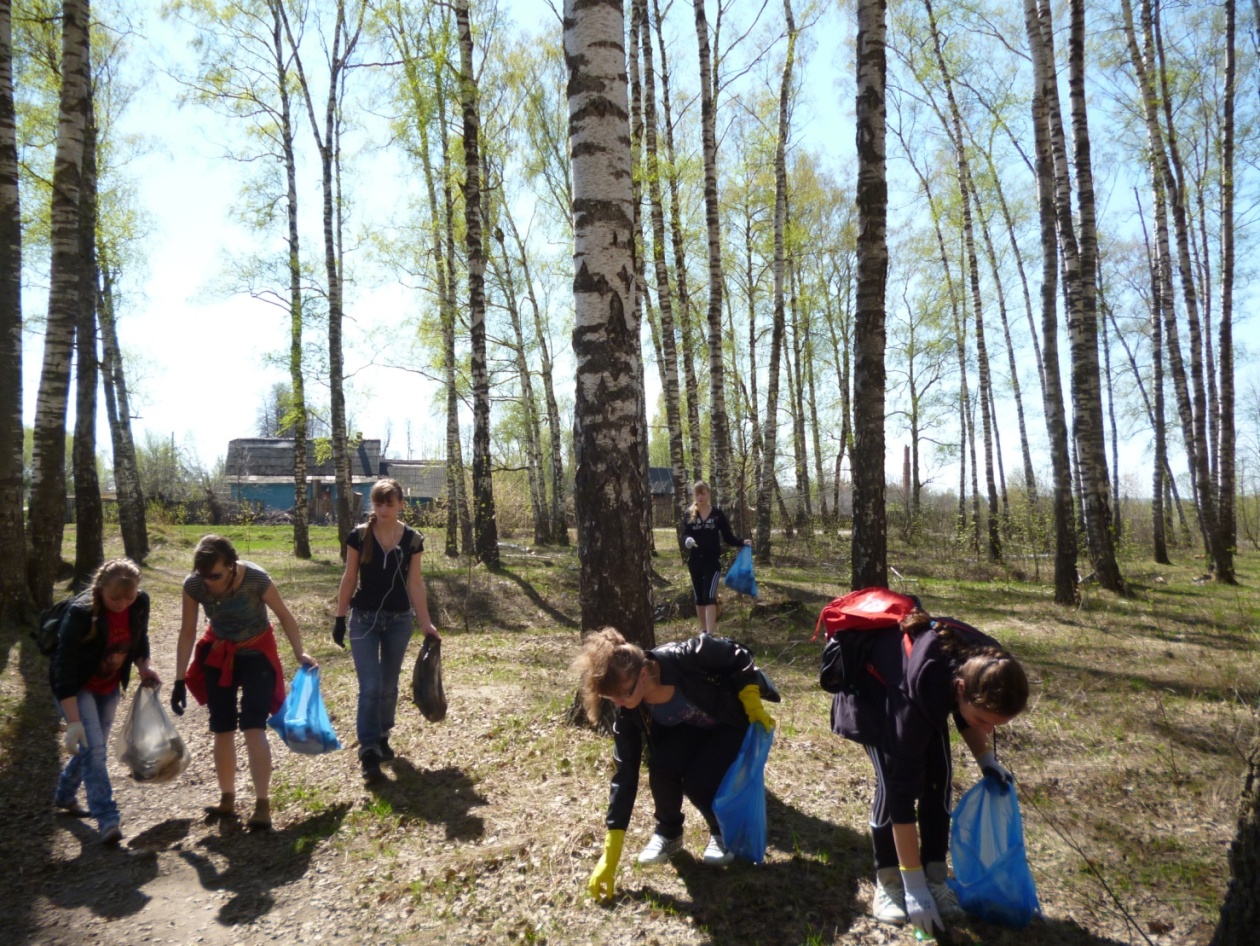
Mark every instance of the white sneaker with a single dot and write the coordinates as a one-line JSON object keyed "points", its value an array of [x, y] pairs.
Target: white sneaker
{"points": [[660, 849], [889, 904], [946, 899], [715, 851]]}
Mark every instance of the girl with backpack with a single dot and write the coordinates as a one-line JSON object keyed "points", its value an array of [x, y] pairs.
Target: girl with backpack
{"points": [[705, 527], [917, 677], [383, 590], [691, 703], [103, 632]]}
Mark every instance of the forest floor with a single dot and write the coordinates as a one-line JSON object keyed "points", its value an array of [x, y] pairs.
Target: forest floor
{"points": [[486, 829]]}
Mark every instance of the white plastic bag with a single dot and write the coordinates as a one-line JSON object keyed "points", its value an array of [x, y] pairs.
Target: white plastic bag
{"points": [[150, 746]]}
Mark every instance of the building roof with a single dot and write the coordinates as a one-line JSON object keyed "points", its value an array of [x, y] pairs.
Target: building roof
{"points": [[274, 456], [420, 479], [661, 480]]}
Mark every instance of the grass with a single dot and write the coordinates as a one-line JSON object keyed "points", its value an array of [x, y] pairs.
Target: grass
{"points": [[1129, 760]]}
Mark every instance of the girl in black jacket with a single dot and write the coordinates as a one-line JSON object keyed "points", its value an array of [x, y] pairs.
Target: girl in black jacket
{"points": [[104, 631], [705, 528], [691, 701], [914, 679]]}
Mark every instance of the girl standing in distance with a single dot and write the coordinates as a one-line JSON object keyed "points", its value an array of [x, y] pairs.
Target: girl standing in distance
{"points": [[235, 668], [691, 702], [919, 676], [704, 528], [383, 589], [104, 631]]}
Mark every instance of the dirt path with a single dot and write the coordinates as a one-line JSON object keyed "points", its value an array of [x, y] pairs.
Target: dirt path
{"points": [[486, 829]]}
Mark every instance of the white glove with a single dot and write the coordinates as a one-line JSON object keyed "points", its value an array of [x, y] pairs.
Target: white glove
{"points": [[995, 770], [75, 736], [689, 542], [920, 905]]}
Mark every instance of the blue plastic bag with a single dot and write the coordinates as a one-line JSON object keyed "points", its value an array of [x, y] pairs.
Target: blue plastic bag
{"points": [[302, 720], [991, 874], [740, 576], [740, 803]]}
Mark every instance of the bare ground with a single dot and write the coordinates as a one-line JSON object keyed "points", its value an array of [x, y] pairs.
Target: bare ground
{"points": [[490, 822]]}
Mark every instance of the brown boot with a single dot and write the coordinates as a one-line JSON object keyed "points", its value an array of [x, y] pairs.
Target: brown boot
{"points": [[260, 820], [226, 807]]}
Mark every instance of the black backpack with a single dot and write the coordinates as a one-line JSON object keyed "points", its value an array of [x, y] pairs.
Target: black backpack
{"points": [[45, 633]]}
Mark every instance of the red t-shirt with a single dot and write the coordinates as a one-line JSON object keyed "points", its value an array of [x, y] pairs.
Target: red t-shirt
{"points": [[116, 649]]}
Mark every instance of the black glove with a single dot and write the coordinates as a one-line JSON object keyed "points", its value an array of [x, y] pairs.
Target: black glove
{"points": [[339, 632], [179, 697]]}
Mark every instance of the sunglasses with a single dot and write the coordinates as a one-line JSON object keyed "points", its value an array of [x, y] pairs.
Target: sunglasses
{"points": [[213, 576]]}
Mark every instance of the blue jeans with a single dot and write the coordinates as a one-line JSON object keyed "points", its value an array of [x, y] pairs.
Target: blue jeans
{"points": [[87, 766], [378, 643]]}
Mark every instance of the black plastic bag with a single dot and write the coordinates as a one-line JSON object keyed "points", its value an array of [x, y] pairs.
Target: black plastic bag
{"points": [[426, 680]]}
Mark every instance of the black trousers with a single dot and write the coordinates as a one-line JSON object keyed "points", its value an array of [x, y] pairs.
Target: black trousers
{"points": [[688, 761], [935, 799]]}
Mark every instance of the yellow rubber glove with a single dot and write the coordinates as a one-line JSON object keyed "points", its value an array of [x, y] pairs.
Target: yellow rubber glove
{"points": [[750, 696], [601, 882]]}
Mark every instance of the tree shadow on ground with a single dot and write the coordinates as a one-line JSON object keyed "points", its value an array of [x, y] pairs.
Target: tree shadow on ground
{"points": [[779, 903], [254, 864], [814, 896], [541, 603], [437, 796], [30, 759]]}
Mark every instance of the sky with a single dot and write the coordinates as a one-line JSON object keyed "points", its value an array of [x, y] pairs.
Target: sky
{"points": [[199, 358]]}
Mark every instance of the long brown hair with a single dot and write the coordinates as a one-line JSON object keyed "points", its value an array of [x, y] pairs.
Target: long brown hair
{"points": [[991, 678], [382, 490], [694, 511], [607, 663]]}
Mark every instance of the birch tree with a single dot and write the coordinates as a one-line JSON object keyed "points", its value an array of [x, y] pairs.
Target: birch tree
{"points": [[870, 524], [13, 590], [48, 487], [485, 527], [614, 562]]}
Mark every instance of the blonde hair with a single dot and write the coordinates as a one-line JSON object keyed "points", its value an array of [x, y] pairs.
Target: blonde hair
{"points": [[382, 490], [117, 571], [607, 663], [697, 486]]}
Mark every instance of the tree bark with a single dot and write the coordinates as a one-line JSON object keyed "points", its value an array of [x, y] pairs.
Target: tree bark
{"points": [[1240, 913], [344, 40], [973, 269], [669, 347], [685, 325], [89, 550], [48, 486], [14, 595], [870, 524], [615, 563], [485, 524], [719, 430], [1083, 327], [131, 512], [1227, 537], [770, 429], [297, 380], [1065, 548]]}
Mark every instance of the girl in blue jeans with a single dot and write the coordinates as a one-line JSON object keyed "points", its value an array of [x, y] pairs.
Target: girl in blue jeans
{"points": [[383, 589], [104, 631]]}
